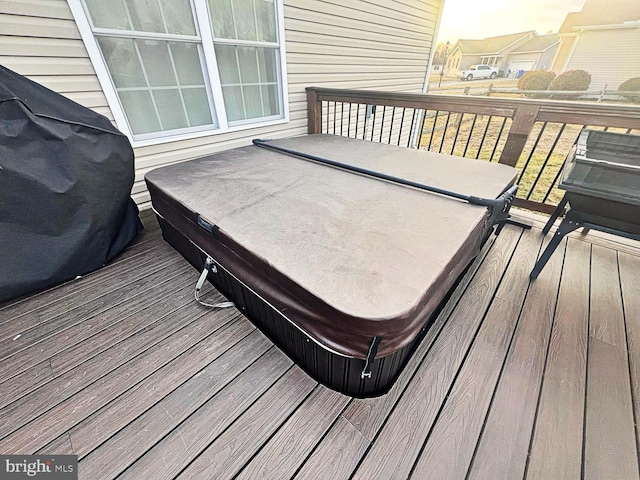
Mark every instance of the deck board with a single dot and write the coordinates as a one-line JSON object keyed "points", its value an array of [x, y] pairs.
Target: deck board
{"points": [[609, 431], [74, 327], [606, 319], [452, 441], [556, 447], [124, 369], [630, 284], [510, 420], [285, 452]]}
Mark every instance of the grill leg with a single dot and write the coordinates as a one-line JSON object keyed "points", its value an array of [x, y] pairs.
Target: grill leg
{"points": [[554, 216], [569, 224]]}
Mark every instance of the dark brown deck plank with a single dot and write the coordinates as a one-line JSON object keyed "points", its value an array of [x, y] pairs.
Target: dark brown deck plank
{"points": [[510, 420], [60, 446], [610, 444], [451, 444], [230, 451], [65, 334], [149, 435], [399, 442], [26, 330], [151, 325], [60, 294], [606, 321], [180, 386], [337, 455], [177, 296], [178, 390], [556, 448], [27, 381], [29, 435], [63, 386], [288, 448], [369, 415], [630, 284], [177, 444]]}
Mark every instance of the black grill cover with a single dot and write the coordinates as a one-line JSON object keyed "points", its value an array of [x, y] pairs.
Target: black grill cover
{"points": [[65, 181]]}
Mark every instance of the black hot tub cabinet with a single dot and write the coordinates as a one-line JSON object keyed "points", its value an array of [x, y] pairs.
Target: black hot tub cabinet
{"points": [[342, 271], [601, 179]]}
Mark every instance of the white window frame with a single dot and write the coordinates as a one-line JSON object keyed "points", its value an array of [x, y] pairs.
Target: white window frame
{"points": [[221, 124]]}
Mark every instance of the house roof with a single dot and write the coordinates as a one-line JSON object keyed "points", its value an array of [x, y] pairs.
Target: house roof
{"points": [[491, 45], [538, 44], [602, 12]]}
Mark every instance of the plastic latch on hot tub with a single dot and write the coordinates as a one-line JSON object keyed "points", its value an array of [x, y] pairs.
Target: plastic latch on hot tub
{"points": [[208, 226]]}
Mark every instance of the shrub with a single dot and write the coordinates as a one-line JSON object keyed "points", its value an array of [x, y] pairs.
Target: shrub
{"points": [[571, 80], [536, 80], [633, 87]]}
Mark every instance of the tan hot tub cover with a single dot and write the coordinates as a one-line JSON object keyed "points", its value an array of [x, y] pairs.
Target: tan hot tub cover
{"points": [[342, 256]]}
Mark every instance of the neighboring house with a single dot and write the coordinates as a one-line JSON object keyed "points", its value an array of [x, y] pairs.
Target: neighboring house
{"points": [[183, 83], [536, 54], [603, 39], [492, 51]]}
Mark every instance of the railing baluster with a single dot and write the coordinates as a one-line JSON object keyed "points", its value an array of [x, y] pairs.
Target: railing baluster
{"points": [[341, 117], [393, 114], [335, 114], [546, 160], [495, 145], [559, 172], [401, 124], [418, 137], [355, 135], [533, 149], [455, 137], [373, 121], [327, 117], [444, 132], [349, 121], [484, 135], [384, 109], [433, 128], [473, 124]]}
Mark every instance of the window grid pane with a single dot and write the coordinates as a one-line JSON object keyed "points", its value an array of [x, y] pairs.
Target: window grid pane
{"points": [[149, 66], [162, 81], [256, 68]]}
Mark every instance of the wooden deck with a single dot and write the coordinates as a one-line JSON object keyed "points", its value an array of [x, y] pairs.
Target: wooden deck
{"points": [[124, 369]]}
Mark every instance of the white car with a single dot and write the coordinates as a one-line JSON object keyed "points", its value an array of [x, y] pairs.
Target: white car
{"points": [[478, 71]]}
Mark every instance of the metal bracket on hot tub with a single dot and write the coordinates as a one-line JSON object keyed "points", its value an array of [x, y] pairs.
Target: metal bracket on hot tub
{"points": [[209, 266], [371, 356]]}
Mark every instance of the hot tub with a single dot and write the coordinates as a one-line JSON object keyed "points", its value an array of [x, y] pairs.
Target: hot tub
{"points": [[341, 270]]}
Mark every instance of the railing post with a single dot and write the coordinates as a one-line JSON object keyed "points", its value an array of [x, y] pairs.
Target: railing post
{"points": [[314, 112], [523, 122]]}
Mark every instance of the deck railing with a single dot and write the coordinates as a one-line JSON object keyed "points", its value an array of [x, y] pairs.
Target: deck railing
{"points": [[533, 135]]}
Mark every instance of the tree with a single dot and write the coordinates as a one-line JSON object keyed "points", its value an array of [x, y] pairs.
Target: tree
{"points": [[440, 55]]}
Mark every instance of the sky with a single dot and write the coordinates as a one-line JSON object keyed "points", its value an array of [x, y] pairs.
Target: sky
{"points": [[489, 18]]}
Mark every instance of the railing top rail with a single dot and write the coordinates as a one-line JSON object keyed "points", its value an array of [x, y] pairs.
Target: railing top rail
{"points": [[626, 116]]}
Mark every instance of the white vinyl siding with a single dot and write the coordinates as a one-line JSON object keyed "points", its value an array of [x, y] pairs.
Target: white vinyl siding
{"points": [[610, 56], [374, 44]]}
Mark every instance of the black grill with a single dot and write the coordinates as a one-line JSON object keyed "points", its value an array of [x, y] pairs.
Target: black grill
{"points": [[601, 179]]}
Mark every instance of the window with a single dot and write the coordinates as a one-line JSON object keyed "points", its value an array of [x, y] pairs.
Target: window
{"points": [[176, 68]]}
